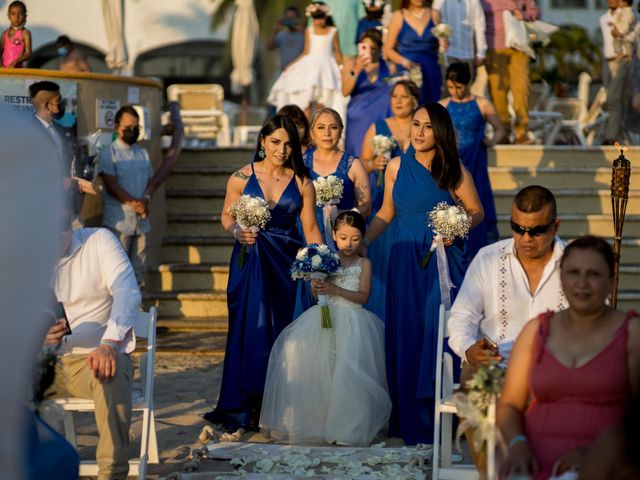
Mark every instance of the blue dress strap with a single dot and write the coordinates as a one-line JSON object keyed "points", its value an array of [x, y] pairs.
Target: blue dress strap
{"points": [[253, 172], [345, 164], [382, 128]]}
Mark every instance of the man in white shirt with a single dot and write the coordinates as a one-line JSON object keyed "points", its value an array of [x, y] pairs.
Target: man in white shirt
{"points": [[468, 42], [615, 70], [96, 285], [509, 282]]}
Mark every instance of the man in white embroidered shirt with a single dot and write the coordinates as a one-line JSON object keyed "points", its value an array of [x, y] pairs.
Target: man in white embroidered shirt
{"points": [[509, 282], [97, 287]]}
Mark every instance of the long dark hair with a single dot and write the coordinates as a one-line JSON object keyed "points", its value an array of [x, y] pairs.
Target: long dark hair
{"points": [[446, 167], [294, 162], [296, 114], [328, 19]]}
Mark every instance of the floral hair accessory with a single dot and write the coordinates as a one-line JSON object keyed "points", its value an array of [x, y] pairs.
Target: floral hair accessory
{"points": [[317, 7]]}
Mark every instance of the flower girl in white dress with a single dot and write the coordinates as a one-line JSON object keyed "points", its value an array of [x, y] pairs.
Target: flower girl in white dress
{"points": [[328, 385], [314, 77]]}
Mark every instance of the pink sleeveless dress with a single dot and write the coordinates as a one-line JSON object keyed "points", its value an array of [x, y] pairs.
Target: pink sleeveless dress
{"points": [[570, 407], [13, 48]]}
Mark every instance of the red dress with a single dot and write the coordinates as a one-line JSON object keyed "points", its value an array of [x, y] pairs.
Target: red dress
{"points": [[570, 407]]}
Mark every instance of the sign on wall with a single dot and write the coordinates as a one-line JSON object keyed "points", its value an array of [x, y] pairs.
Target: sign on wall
{"points": [[106, 109]]}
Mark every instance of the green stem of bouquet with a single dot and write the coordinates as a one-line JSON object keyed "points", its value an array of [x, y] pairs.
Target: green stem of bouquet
{"points": [[242, 256], [425, 260], [326, 317], [380, 177]]}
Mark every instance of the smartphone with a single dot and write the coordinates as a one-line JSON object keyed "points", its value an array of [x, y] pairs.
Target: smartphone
{"points": [[61, 313], [364, 51], [490, 342]]}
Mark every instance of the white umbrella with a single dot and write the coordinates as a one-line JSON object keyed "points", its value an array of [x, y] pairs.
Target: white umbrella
{"points": [[243, 44], [113, 16]]}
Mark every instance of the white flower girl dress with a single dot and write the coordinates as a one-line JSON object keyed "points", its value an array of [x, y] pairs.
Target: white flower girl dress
{"points": [[313, 78], [328, 385]]}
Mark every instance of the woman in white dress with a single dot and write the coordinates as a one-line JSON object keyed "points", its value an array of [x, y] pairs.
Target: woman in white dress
{"points": [[313, 79], [328, 385]]}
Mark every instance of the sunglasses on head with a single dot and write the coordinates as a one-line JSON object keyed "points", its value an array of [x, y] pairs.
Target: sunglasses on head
{"points": [[532, 231]]}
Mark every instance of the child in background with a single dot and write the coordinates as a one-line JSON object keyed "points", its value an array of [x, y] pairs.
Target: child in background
{"points": [[375, 11], [328, 385], [16, 40], [313, 79], [624, 22]]}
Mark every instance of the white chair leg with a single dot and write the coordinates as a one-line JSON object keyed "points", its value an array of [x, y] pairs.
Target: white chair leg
{"points": [[436, 447], [144, 443], [153, 439], [70, 429], [447, 421]]}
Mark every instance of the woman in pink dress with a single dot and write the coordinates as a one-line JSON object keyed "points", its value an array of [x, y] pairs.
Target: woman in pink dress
{"points": [[16, 40], [571, 373]]}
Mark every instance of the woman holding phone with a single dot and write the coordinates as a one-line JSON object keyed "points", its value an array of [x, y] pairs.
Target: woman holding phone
{"points": [[365, 79]]}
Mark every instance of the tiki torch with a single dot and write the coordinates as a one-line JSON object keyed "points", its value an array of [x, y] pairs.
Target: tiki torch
{"points": [[620, 174]]}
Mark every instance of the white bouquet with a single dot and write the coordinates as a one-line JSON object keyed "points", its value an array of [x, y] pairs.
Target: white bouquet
{"points": [[448, 222], [383, 146], [250, 213], [328, 190], [442, 32]]}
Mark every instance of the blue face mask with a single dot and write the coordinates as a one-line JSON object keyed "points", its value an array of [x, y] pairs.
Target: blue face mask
{"points": [[62, 51]]}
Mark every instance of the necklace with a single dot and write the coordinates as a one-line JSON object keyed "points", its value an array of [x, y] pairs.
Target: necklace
{"points": [[277, 179], [420, 13]]}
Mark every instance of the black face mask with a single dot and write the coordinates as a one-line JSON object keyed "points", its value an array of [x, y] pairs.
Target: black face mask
{"points": [[130, 135], [60, 113]]}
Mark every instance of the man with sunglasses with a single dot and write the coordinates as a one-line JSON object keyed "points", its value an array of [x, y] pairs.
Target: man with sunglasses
{"points": [[509, 282]]}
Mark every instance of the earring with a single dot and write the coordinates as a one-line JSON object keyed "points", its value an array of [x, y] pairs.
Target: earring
{"points": [[261, 153]]}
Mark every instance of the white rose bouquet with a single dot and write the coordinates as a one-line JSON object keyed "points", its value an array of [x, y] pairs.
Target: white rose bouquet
{"points": [[442, 31], [316, 261], [250, 213], [383, 146], [329, 191], [448, 222]]}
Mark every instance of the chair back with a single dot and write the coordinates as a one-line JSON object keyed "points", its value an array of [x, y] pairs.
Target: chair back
{"points": [[145, 327], [194, 97], [444, 361]]}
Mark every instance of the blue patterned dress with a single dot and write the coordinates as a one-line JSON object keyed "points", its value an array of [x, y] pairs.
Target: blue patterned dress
{"points": [[423, 50], [413, 300], [469, 125], [261, 297]]}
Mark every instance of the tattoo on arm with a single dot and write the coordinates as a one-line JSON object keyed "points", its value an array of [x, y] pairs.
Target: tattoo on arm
{"points": [[359, 191], [240, 175]]}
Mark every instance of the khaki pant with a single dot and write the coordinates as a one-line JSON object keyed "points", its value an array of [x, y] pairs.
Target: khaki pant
{"points": [[508, 69], [113, 408], [614, 76]]}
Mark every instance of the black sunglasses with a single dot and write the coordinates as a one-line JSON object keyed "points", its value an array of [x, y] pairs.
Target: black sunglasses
{"points": [[532, 231]]}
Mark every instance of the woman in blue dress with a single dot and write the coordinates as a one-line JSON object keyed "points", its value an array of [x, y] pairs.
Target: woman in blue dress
{"points": [[324, 160], [366, 79], [261, 294], [469, 115], [404, 100], [428, 173], [410, 43]]}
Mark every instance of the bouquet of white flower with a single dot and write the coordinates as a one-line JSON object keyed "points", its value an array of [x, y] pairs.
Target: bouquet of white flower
{"points": [[447, 222], [250, 213], [316, 261], [382, 146], [442, 31], [329, 191]]}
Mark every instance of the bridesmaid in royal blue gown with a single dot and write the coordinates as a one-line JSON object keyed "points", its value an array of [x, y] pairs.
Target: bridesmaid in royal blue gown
{"points": [[404, 100], [414, 184], [410, 43], [367, 81], [469, 115], [261, 293], [327, 159]]}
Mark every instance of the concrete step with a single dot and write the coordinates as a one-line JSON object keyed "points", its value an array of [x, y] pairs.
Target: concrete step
{"points": [[201, 224], [572, 225], [188, 201], [574, 201], [200, 303], [556, 156], [629, 300], [186, 276], [200, 176], [237, 156], [630, 278], [508, 178], [190, 249], [194, 324]]}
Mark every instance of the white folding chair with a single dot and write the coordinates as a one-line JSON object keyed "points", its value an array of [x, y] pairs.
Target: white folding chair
{"points": [[444, 411], [142, 400]]}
